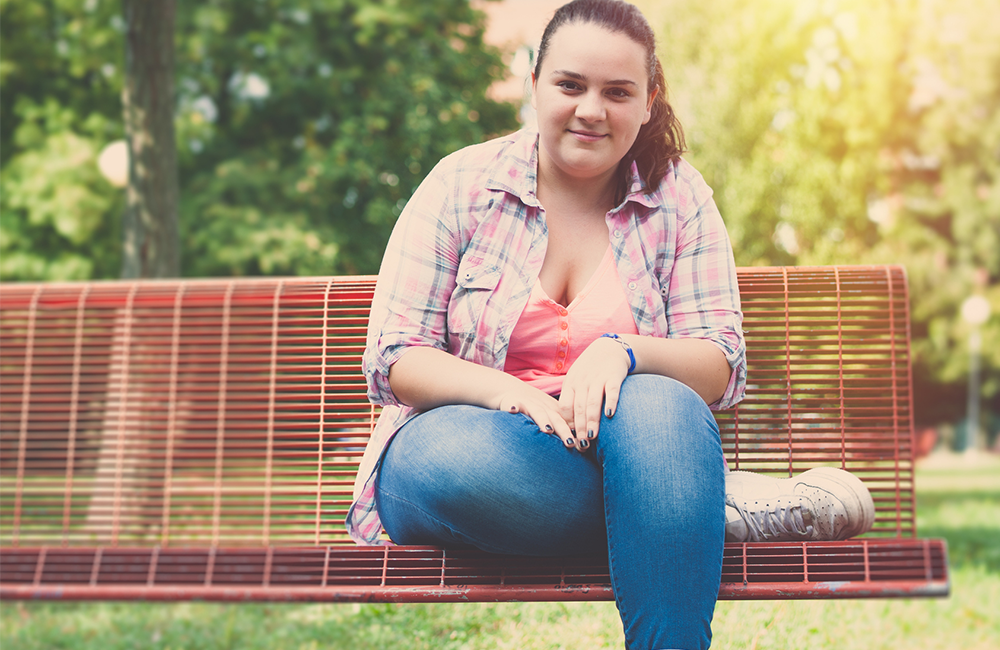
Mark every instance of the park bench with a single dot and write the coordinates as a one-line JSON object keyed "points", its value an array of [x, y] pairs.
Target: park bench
{"points": [[198, 439]]}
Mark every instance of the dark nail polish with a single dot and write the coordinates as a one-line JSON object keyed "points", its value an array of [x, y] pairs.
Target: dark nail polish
{"points": [[513, 409], [584, 444], [590, 434], [548, 427], [609, 413], [569, 442]]}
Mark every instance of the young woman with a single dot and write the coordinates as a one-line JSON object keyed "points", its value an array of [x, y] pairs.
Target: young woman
{"points": [[556, 315]]}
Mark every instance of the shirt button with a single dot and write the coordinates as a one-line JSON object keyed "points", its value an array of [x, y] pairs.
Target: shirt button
{"points": [[562, 354], [564, 325], [564, 342], [618, 233], [632, 286], [559, 365], [562, 311]]}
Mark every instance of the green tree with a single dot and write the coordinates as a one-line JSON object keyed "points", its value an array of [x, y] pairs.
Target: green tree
{"points": [[302, 128], [855, 132], [305, 126]]}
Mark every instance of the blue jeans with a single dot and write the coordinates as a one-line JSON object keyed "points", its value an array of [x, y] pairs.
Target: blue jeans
{"points": [[651, 491]]}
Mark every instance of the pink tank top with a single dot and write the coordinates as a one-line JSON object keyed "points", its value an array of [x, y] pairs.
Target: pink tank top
{"points": [[548, 337]]}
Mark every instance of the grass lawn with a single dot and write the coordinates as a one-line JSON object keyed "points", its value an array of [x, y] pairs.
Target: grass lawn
{"points": [[959, 499]]}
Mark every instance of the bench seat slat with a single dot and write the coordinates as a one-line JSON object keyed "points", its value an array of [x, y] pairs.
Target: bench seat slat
{"points": [[907, 567]]}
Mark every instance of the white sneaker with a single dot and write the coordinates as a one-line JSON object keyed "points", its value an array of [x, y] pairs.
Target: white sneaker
{"points": [[821, 504]]}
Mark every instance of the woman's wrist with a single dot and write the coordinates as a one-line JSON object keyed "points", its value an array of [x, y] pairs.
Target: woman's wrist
{"points": [[626, 347]]}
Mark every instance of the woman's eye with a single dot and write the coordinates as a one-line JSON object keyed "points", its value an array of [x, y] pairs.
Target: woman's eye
{"points": [[568, 85], [619, 93]]}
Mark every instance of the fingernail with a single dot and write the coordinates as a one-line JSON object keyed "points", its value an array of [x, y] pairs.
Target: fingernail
{"points": [[584, 444], [548, 427], [608, 413], [569, 442], [513, 409], [590, 434]]}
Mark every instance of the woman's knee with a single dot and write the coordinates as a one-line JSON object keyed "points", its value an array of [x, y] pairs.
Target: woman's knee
{"points": [[660, 418], [444, 449], [664, 394], [435, 469], [505, 488]]}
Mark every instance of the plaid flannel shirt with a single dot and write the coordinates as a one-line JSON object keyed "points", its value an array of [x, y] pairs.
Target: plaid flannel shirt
{"points": [[467, 249]]}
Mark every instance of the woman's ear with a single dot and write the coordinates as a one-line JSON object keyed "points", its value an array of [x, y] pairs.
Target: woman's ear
{"points": [[649, 104]]}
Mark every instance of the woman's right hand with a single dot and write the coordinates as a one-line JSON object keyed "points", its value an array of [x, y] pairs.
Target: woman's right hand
{"points": [[542, 409]]}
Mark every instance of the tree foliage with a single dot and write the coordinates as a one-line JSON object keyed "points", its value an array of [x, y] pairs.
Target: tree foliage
{"points": [[60, 84], [302, 128], [850, 131], [305, 126]]}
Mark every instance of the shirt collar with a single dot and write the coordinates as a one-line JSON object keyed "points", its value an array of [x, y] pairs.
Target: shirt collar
{"points": [[516, 171], [636, 193]]}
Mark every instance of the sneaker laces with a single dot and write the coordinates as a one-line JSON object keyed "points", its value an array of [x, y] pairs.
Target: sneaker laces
{"points": [[765, 522]]}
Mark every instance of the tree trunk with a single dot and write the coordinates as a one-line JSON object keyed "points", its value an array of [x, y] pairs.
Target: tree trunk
{"points": [[151, 240], [151, 249]]}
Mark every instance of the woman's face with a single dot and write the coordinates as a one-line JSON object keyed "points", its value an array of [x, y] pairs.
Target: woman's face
{"points": [[591, 97]]}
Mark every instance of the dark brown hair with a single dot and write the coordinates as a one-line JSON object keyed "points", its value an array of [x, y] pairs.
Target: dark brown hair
{"points": [[660, 140]]}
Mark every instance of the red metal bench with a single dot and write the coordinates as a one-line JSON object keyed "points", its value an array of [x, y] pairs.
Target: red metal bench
{"points": [[198, 439]]}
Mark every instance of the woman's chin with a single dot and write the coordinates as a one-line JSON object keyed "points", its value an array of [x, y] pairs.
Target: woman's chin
{"points": [[580, 165]]}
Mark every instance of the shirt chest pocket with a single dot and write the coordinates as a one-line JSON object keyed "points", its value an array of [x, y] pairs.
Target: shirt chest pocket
{"points": [[476, 282]]}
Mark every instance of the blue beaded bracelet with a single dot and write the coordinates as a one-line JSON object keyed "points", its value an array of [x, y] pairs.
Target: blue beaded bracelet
{"points": [[628, 348]]}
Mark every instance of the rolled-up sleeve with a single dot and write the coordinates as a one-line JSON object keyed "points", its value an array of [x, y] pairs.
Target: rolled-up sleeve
{"points": [[703, 300], [414, 285]]}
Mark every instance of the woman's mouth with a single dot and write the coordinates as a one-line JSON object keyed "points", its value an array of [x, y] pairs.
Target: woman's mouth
{"points": [[588, 136]]}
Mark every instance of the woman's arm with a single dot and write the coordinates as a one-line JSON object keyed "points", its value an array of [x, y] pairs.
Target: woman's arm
{"points": [[698, 363], [426, 377]]}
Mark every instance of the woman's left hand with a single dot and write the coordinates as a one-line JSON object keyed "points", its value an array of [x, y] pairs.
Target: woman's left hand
{"points": [[595, 378]]}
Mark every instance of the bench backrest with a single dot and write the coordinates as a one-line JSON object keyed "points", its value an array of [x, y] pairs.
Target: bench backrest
{"points": [[233, 412]]}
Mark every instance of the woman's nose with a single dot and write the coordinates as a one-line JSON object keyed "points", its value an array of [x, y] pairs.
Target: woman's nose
{"points": [[590, 108]]}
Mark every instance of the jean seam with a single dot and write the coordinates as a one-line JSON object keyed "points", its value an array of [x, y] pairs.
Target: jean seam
{"points": [[612, 563]]}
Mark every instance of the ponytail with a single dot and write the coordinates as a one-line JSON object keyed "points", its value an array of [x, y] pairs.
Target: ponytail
{"points": [[659, 144]]}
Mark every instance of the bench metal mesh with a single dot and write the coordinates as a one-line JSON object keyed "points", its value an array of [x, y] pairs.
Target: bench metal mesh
{"points": [[207, 433]]}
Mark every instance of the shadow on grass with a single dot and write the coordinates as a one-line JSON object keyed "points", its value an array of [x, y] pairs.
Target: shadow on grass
{"points": [[969, 519], [968, 546]]}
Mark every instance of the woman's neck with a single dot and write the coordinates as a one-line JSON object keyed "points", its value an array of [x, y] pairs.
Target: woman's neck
{"points": [[582, 195]]}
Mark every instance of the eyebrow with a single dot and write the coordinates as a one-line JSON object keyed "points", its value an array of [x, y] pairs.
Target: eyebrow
{"points": [[577, 75]]}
